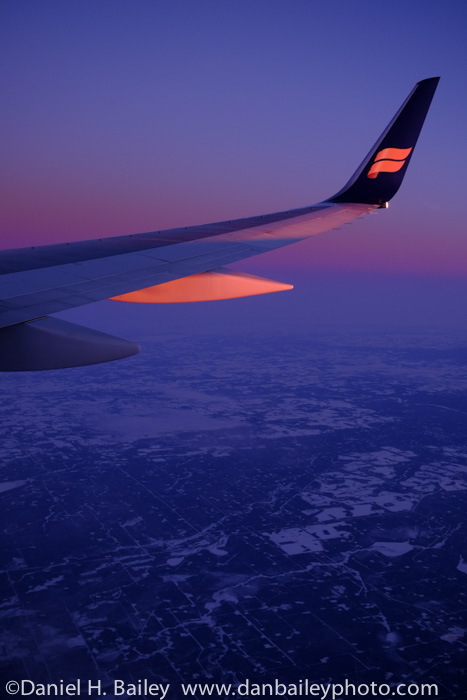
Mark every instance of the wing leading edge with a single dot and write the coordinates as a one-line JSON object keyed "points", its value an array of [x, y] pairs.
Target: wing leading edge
{"points": [[36, 282]]}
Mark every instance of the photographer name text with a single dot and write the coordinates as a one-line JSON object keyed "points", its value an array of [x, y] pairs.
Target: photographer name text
{"points": [[87, 688]]}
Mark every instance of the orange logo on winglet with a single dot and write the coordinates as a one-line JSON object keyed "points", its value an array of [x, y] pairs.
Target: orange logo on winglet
{"points": [[389, 160]]}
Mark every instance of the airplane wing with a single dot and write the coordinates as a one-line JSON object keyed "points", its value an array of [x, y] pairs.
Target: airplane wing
{"points": [[177, 265]]}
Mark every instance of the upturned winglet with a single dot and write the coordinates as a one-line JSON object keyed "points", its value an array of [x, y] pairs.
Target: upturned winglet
{"points": [[381, 173]]}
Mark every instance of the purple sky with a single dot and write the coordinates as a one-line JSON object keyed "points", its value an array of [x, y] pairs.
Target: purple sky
{"points": [[122, 117]]}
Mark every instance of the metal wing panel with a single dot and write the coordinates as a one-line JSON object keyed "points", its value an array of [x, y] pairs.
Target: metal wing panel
{"points": [[17, 260], [38, 292]]}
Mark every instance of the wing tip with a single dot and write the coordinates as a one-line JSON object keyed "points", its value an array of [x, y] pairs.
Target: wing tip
{"points": [[380, 175], [434, 79]]}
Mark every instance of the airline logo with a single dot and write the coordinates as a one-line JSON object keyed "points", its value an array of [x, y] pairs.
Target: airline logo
{"points": [[389, 160]]}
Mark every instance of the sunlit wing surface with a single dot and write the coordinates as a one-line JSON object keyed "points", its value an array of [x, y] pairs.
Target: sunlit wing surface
{"points": [[177, 265]]}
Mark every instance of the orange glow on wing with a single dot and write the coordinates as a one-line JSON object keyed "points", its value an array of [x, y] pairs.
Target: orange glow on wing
{"points": [[205, 286]]}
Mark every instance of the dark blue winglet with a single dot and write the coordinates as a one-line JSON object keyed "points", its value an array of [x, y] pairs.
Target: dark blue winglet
{"points": [[380, 175]]}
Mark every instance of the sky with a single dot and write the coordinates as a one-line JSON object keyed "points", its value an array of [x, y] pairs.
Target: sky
{"points": [[124, 117]]}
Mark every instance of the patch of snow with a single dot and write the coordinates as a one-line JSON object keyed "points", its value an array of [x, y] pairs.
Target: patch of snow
{"points": [[392, 549]]}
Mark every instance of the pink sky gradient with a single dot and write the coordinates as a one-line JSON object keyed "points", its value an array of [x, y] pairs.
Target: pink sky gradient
{"points": [[119, 121]]}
